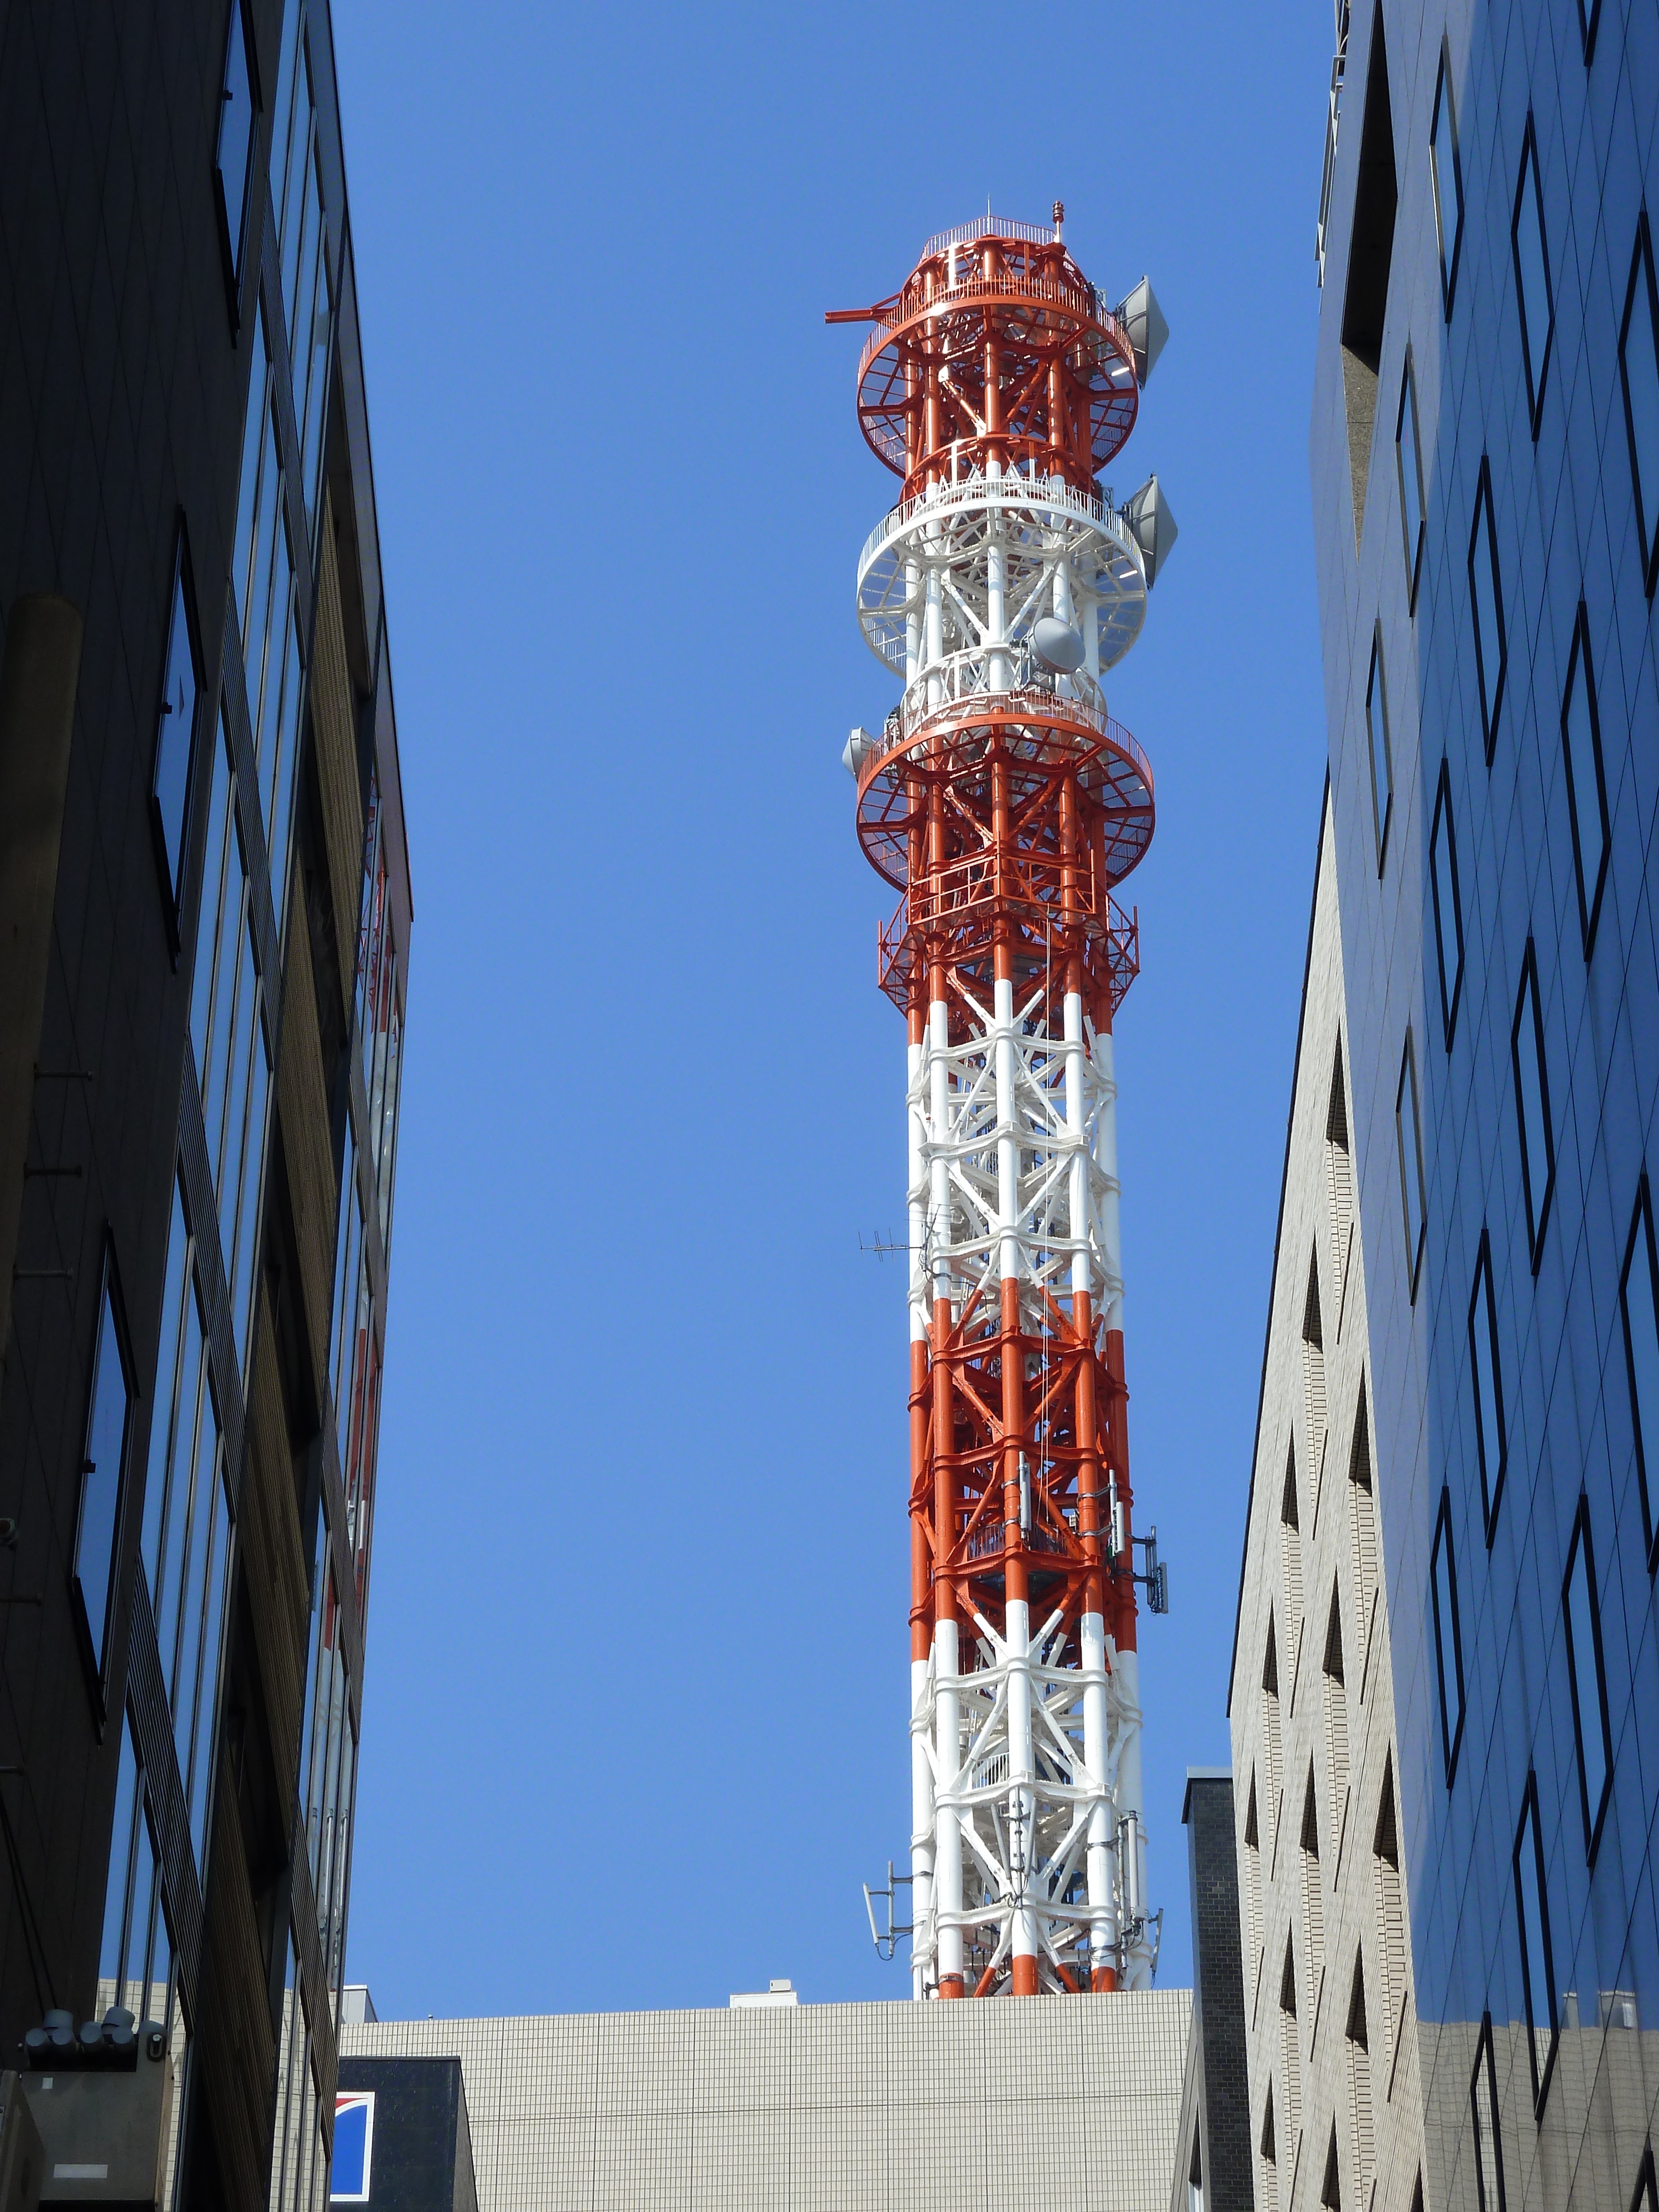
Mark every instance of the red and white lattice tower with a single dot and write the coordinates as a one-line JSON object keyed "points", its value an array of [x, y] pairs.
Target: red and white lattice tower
{"points": [[1005, 803]]}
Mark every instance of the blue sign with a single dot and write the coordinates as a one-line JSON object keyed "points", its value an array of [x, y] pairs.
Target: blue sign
{"points": [[354, 2146]]}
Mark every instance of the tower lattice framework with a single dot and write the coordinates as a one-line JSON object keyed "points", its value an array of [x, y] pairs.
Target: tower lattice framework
{"points": [[1005, 803]]}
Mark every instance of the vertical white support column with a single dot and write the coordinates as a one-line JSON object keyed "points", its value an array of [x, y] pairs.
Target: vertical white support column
{"points": [[912, 622], [1097, 1739], [922, 1772], [947, 1826], [1022, 1799], [1111, 1294], [933, 622], [947, 1709], [996, 584], [1091, 637], [1125, 1666]]}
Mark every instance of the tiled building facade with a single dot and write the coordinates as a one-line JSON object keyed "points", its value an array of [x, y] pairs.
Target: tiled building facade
{"points": [[1328, 2015], [205, 889], [849, 2108], [1486, 465]]}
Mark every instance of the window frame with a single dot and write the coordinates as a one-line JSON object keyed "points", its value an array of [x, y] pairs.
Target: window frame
{"points": [[1491, 696], [1642, 1232], [1529, 996], [1485, 2058], [1377, 690], [1443, 819], [1413, 552], [1582, 1549], [1491, 1486], [233, 240], [1529, 1821], [1647, 525], [181, 591], [1451, 1734], [1537, 380], [96, 1648], [1445, 102], [1408, 1078], [1581, 668]]}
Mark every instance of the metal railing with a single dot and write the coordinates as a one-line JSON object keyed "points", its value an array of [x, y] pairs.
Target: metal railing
{"points": [[1010, 491]]}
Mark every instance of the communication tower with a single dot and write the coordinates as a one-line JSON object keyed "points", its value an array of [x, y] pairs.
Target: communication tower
{"points": [[1005, 805]]}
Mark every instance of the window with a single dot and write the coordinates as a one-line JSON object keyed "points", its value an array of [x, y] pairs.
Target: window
{"points": [[235, 158], [1490, 1439], [1446, 174], [1488, 2143], [1638, 374], [1409, 1142], [1357, 2038], [187, 1530], [1587, 789], [1532, 1101], [1339, 1168], [1537, 1957], [1376, 740], [1390, 1900], [1313, 1894], [1371, 250], [1313, 1375], [135, 1958], [1587, 1679], [1448, 1638], [1447, 905], [175, 733], [1362, 1505], [228, 1030], [1638, 1300], [103, 1469], [1336, 1714], [1408, 468], [1486, 598], [1532, 275]]}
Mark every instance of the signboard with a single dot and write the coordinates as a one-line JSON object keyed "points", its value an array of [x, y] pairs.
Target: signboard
{"points": [[354, 2146]]}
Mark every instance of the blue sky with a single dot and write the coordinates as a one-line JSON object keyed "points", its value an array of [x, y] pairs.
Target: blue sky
{"points": [[635, 1705]]}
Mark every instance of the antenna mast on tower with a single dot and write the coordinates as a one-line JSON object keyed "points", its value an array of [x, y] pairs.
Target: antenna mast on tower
{"points": [[1005, 805]]}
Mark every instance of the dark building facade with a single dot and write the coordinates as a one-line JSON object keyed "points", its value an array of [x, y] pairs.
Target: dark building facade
{"points": [[205, 923], [405, 2137], [1213, 2157], [1485, 467]]}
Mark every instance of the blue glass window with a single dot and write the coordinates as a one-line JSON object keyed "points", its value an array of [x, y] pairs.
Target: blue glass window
{"points": [[1408, 468], [175, 730], [237, 106], [1446, 174], [103, 1471], [1448, 1639], [1377, 748], [1448, 904], [1638, 1300], [1588, 1680], [1534, 293], [1532, 1102], [1486, 598], [1537, 1952], [1587, 789], [1408, 1134], [1491, 1437], [1638, 374]]}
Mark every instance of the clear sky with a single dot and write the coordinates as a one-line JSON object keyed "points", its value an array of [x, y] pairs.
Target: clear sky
{"points": [[635, 1712]]}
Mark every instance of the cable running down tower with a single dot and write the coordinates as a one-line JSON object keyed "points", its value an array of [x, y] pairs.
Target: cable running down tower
{"points": [[1005, 805]]}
